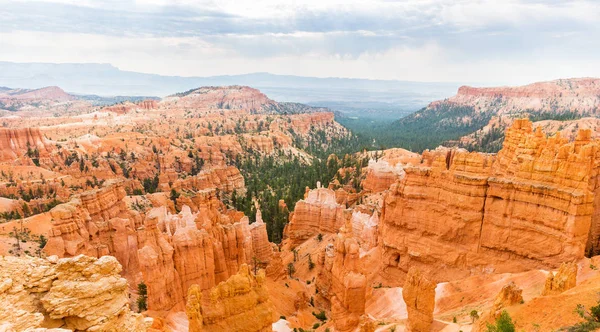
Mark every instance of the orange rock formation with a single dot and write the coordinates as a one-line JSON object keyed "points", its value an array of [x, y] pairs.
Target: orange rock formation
{"points": [[15, 143], [497, 211], [168, 252], [342, 281], [419, 296], [565, 278], [318, 212], [508, 296], [239, 304]]}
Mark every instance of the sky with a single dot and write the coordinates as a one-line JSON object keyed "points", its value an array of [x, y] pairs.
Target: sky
{"points": [[503, 41]]}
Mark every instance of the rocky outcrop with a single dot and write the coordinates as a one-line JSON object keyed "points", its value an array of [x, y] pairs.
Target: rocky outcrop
{"points": [[239, 304], [565, 278], [495, 108], [169, 252], [318, 212], [348, 282], [473, 212], [509, 295], [262, 248], [96, 223], [80, 293], [563, 88], [419, 295], [226, 179], [381, 175], [229, 98], [15, 143]]}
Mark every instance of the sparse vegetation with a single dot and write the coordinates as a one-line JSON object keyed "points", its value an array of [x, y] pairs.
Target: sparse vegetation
{"points": [[504, 323]]}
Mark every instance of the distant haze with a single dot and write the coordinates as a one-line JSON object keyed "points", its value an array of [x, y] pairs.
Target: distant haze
{"points": [[385, 98]]}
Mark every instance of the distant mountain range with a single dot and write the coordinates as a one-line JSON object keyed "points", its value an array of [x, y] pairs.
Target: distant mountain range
{"points": [[353, 97]]}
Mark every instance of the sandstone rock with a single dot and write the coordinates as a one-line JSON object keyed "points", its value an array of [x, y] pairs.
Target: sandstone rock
{"points": [[503, 103], [227, 179], [169, 252], [381, 175], [509, 295], [419, 295], [565, 278], [261, 246], [14, 143], [318, 212], [473, 212], [348, 282], [80, 293], [239, 304]]}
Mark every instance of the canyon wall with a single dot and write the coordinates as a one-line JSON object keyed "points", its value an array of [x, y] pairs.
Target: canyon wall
{"points": [[580, 94], [530, 206], [80, 293]]}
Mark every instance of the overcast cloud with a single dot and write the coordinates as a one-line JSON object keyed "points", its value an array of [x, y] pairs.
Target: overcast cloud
{"points": [[509, 42]]}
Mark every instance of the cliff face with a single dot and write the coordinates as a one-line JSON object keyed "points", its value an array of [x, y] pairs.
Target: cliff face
{"points": [[169, 252], [495, 108], [239, 304], [128, 106], [15, 143], [473, 212], [80, 293]]}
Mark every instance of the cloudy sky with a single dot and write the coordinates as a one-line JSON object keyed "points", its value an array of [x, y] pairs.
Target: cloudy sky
{"points": [[504, 41]]}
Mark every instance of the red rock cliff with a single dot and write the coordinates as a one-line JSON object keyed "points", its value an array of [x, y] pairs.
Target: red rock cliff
{"points": [[530, 206]]}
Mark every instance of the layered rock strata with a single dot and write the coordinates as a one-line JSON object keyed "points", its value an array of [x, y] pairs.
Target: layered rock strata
{"points": [[477, 213], [317, 213], [342, 280], [239, 304]]}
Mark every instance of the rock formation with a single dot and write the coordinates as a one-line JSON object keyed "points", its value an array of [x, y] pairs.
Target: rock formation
{"points": [[80, 293], [381, 175], [495, 108], [169, 252], [226, 179], [318, 212], [15, 143], [470, 212], [509, 295], [347, 287], [419, 295], [239, 304], [565, 278]]}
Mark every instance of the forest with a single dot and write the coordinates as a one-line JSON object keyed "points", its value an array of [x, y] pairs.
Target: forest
{"points": [[271, 178]]}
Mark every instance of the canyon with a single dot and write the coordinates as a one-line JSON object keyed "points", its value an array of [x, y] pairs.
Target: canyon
{"points": [[147, 216], [476, 118]]}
